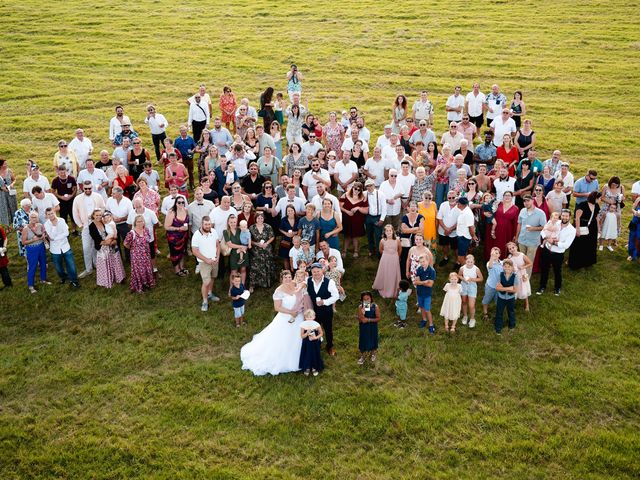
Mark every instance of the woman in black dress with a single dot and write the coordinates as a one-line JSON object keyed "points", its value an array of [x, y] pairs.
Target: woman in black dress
{"points": [[266, 108], [583, 251]]}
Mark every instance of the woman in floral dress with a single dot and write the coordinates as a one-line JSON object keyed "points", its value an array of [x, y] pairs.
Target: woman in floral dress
{"points": [[228, 107], [333, 134], [137, 241], [177, 226], [262, 271]]}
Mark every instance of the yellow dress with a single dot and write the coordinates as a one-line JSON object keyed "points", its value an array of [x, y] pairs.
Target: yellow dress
{"points": [[430, 222]]}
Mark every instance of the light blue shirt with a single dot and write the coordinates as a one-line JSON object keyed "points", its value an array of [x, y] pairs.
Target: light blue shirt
{"points": [[582, 186], [221, 136], [493, 274], [537, 218]]}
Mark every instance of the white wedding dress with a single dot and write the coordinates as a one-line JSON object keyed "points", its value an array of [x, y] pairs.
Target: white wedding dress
{"points": [[276, 349]]}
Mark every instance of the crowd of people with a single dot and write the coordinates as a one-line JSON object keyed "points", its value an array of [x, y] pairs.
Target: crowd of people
{"points": [[248, 188]]}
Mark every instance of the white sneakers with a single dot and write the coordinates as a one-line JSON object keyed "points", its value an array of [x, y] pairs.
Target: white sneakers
{"points": [[465, 320], [472, 323]]}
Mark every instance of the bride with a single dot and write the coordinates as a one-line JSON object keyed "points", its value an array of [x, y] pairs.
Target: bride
{"points": [[276, 349]]}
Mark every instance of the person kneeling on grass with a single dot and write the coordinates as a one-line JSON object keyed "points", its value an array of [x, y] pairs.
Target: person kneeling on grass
{"points": [[368, 318], [506, 288], [311, 334], [237, 300], [423, 280]]}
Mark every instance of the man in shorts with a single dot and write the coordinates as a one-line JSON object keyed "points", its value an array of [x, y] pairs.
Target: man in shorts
{"points": [[205, 246], [447, 222]]}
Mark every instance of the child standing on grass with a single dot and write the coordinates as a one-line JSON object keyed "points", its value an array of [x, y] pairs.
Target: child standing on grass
{"points": [[423, 280], [404, 292], [368, 318], [470, 275], [452, 303], [311, 333], [506, 288], [494, 269], [235, 292], [610, 228]]}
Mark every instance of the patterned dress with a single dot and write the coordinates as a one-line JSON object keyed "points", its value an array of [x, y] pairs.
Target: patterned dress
{"points": [[333, 137], [227, 104], [141, 270], [150, 200], [20, 220], [263, 268], [109, 268], [178, 240], [8, 203]]}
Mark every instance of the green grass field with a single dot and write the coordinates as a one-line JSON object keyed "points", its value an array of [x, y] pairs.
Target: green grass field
{"points": [[104, 384]]}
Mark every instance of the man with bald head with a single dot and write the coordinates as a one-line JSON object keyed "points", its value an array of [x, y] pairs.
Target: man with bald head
{"points": [[82, 147]]}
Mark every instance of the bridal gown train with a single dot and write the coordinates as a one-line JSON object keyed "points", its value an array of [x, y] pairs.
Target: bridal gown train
{"points": [[276, 349]]}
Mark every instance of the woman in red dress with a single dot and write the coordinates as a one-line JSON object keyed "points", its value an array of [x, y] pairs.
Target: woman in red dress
{"points": [[228, 107], [354, 207], [125, 182], [509, 154], [506, 217]]}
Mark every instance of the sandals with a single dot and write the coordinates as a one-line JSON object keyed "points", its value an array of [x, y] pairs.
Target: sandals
{"points": [[183, 273]]}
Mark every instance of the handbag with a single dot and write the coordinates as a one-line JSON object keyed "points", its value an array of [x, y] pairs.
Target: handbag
{"points": [[261, 113], [405, 242], [225, 249], [584, 231]]}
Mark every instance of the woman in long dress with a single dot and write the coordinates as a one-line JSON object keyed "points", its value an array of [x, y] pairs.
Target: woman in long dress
{"points": [[276, 349], [583, 252], [388, 275]]}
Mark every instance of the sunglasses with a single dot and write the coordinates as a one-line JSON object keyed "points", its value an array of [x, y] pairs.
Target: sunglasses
{"points": [[87, 189], [137, 143], [357, 188], [181, 203], [393, 175], [268, 186], [63, 146]]}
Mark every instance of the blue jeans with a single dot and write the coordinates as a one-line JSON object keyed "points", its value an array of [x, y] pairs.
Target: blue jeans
{"points": [[36, 255], [441, 193], [510, 305], [62, 260]]}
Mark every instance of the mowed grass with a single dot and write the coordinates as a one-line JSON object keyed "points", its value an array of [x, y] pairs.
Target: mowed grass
{"points": [[105, 384]]}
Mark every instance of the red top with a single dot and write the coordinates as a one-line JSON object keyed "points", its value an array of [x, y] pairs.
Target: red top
{"points": [[510, 158]]}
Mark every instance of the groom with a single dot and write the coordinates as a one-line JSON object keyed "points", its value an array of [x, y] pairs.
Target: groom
{"points": [[323, 294]]}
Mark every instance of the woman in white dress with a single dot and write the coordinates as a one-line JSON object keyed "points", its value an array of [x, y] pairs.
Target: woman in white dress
{"points": [[276, 349]]}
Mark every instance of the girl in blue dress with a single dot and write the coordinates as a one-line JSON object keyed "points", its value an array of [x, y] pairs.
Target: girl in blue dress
{"points": [[311, 333], [368, 317]]}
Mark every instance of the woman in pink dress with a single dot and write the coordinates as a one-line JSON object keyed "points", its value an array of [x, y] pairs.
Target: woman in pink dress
{"points": [[109, 268], [388, 275], [506, 217], [137, 241], [333, 134]]}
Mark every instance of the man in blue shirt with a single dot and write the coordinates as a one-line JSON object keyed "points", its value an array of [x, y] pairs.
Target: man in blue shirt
{"points": [[185, 144], [584, 186], [486, 152], [220, 137], [531, 221], [423, 280]]}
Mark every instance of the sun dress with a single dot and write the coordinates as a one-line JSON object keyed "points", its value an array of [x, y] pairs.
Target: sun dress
{"points": [[141, 269], [262, 272], [523, 288], [452, 303], [333, 137], [388, 274]]}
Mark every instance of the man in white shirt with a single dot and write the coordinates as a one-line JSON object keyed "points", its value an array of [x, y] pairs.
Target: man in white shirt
{"points": [[375, 167], [452, 137], [204, 98], [41, 201], [240, 159], [423, 109], [552, 253], [465, 230], [158, 126], [312, 177], [567, 177], [169, 200], [322, 194], [406, 179], [389, 153], [198, 209], [363, 132], [115, 124], [61, 254], [290, 199], [503, 183], [474, 105], [120, 208], [349, 142], [375, 218], [494, 104], [346, 172], [324, 251], [635, 191], [310, 147], [455, 106], [323, 294], [447, 218], [35, 179], [82, 147], [384, 140], [393, 192], [150, 219], [205, 245], [220, 214], [83, 207], [199, 117], [501, 126], [96, 176]]}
